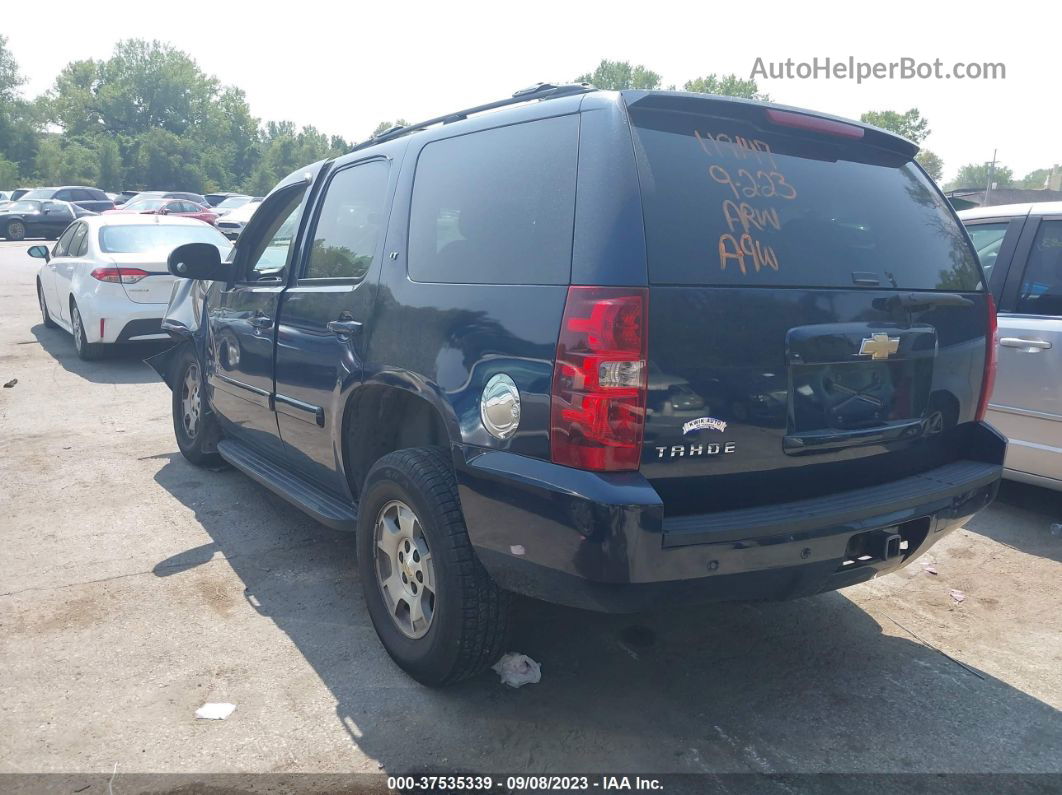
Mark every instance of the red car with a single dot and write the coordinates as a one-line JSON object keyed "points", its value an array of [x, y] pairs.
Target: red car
{"points": [[181, 207]]}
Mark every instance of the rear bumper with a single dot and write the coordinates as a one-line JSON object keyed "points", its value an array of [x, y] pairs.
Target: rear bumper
{"points": [[602, 542]]}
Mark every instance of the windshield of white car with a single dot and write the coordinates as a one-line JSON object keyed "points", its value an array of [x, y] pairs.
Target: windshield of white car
{"points": [[158, 239], [233, 202]]}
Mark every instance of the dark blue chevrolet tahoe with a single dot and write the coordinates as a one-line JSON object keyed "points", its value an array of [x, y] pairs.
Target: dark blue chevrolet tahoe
{"points": [[603, 349]]}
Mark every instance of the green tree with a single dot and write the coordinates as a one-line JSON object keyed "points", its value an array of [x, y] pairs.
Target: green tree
{"points": [[619, 75], [932, 163], [975, 175], [726, 85], [8, 173], [1035, 179], [19, 125], [909, 124], [387, 125]]}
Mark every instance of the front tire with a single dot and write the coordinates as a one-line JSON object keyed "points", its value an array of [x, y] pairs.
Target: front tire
{"points": [[16, 230], [433, 605], [86, 351], [194, 425], [48, 322]]}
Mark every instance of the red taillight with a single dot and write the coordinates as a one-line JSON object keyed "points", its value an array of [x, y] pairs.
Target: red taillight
{"points": [[991, 343], [597, 413], [802, 121], [119, 275]]}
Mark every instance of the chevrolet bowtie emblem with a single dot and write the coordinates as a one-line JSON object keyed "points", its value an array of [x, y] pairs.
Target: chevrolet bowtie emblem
{"points": [[879, 346]]}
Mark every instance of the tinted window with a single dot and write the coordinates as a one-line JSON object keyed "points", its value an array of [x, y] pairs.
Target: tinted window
{"points": [[987, 239], [496, 206], [158, 240], [38, 194], [78, 246], [272, 239], [1041, 288], [23, 207], [64, 241], [729, 203], [350, 223], [65, 195]]}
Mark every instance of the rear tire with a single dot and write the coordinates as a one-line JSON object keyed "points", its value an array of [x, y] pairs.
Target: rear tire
{"points": [[410, 503], [86, 351], [16, 230], [48, 322], [194, 424]]}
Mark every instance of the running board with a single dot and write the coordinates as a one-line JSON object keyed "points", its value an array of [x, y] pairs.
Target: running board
{"points": [[327, 510]]}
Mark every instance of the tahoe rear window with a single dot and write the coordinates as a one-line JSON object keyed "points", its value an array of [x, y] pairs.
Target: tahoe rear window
{"points": [[731, 203], [497, 206]]}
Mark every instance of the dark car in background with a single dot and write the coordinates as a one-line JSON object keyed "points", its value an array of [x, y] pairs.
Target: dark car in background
{"points": [[92, 199], [214, 199], [30, 218], [449, 341]]}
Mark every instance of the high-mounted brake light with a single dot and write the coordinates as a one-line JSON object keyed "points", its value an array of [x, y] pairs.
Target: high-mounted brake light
{"points": [[119, 275], [802, 121], [988, 382], [597, 414]]}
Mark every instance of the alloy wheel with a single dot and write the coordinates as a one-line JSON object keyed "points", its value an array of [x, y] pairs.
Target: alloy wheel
{"points": [[79, 331], [191, 402], [405, 572]]}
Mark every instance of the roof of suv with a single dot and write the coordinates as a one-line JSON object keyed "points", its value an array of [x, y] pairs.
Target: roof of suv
{"points": [[651, 99], [1011, 210]]}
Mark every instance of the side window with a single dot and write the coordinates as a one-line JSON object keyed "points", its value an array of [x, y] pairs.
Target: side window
{"points": [[190, 207], [987, 240], [350, 223], [60, 247], [1041, 286], [82, 195], [273, 232], [496, 207], [64, 195], [78, 245]]}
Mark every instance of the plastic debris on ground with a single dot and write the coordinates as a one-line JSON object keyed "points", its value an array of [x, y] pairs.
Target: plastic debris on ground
{"points": [[929, 568], [517, 670], [213, 711], [958, 596], [11, 383]]}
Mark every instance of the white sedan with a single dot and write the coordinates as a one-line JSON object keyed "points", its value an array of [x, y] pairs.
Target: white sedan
{"points": [[105, 280]]}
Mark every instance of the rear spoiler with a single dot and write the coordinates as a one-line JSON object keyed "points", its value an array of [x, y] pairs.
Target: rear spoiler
{"points": [[761, 113]]}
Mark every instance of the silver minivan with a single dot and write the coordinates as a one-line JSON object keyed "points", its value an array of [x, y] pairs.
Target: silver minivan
{"points": [[1020, 246]]}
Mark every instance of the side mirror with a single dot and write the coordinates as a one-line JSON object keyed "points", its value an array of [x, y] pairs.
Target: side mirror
{"points": [[40, 252], [198, 261]]}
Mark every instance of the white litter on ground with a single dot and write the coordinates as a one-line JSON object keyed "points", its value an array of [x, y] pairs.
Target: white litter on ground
{"points": [[958, 595], [211, 711], [517, 670]]}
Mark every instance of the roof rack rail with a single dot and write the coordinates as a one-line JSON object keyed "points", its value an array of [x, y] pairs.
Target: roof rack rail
{"points": [[537, 91]]}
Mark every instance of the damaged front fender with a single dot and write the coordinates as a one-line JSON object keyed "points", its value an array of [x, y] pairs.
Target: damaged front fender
{"points": [[183, 321]]}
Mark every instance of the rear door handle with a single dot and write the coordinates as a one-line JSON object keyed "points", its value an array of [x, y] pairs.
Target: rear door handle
{"points": [[1029, 346], [260, 321], [343, 328]]}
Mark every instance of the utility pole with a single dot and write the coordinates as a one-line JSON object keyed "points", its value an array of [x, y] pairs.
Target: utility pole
{"points": [[991, 173]]}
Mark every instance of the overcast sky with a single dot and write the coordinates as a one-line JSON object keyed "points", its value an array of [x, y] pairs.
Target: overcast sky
{"points": [[345, 66]]}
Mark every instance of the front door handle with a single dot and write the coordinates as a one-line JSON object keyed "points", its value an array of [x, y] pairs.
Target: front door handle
{"points": [[260, 321], [1029, 346], [343, 328]]}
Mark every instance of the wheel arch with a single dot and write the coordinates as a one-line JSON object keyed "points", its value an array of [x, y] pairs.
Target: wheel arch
{"points": [[391, 412]]}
